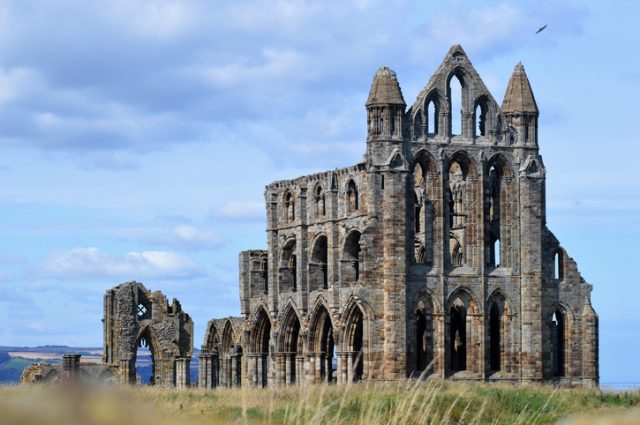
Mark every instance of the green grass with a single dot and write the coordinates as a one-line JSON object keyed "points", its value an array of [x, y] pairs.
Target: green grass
{"points": [[10, 371], [362, 404]]}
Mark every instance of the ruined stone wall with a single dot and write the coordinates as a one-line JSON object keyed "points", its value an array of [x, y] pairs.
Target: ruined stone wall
{"points": [[429, 258], [135, 316]]}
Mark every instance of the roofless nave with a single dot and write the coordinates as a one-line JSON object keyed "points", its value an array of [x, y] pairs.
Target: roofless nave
{"points": [[429, 258]]}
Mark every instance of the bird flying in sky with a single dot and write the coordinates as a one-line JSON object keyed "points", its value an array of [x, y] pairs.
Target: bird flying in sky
{"points": [[541, 29]]}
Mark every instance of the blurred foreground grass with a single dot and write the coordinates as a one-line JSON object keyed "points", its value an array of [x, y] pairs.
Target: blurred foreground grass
{"points": [[362, 404]]}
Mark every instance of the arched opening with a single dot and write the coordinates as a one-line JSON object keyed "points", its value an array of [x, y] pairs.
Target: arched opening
{"points": [[289, 205], [458, 336], [417, 216], [262, 337], [355, 352], [320, 202], [421, 349], [292, 348], [288, 267], [432, 117], [264, 265], [457, 256], [494, 252], [454, 90], [352, 197], [318, 275], [352, 258], [558, 272], [227, 359], [457, 193], [237, 359], [212, 345], [558, 342], [495, 331], [323, 344], [497, 212], [480, 117], [145, 366]]}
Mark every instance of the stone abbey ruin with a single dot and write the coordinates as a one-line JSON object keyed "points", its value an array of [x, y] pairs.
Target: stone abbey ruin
{"points": [[430, 258]]}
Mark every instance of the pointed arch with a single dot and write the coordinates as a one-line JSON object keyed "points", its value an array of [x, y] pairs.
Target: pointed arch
{"points": [[498, 211], [228, 363], [147, 338], [318, 265], [211, 337], [456, 96], [288, 268], [289, 206], [351, 260], [424, 330], [464, 329], [354, 342], [561, 324], [432, 107], [499, 350], [261, 346], [481, 122], [353, 198], [291, 346], [322, 343], [319, 201]]}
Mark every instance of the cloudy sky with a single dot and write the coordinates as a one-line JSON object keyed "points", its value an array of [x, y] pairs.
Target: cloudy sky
{"points": [[136, 138]]}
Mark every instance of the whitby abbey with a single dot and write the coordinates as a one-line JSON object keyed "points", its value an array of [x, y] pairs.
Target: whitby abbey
{"points": [[429, 259]]}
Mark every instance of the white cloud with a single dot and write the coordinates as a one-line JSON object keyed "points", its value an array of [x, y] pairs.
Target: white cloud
{"points": [[190, 237], [242, 211], [79, 263]]}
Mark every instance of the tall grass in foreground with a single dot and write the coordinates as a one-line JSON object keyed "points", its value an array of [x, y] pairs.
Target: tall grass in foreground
{"points": [[409, 402]]}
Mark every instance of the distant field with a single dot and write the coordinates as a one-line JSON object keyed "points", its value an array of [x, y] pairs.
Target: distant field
{"points": [[10, 371], [360, 404], [49, 356]]}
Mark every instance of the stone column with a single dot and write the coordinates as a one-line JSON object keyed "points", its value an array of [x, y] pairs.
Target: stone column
{"points": [[125, 372], [183, 366], [252, 370], [259, 370], [299, 369], [350, 367], [215, 370], [205, 374], [70, 366], [234, 372]]}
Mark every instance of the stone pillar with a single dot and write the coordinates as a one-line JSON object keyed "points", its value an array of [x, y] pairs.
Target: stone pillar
{"points": [[349, 358], [299, 369], [259, 371], [71, 366], [234, 371], [252, 370], [394, 268], [125, 372], [205, 370], [215, 370], [183, 366]]}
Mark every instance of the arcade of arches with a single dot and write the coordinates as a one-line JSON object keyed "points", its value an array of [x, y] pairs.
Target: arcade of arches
{"points": [[430, 258]]}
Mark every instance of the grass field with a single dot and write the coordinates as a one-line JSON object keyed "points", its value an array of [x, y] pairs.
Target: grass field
{"points": [[362, 404]]}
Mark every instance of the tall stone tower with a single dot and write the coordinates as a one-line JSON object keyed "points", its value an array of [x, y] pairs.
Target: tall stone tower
{"points": [[430, 258]]}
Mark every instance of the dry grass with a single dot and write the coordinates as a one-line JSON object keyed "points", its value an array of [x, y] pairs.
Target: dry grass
{"points": [[363, 404]]}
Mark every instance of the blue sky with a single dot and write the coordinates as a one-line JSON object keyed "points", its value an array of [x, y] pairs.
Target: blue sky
{"points": [[136, 139]]}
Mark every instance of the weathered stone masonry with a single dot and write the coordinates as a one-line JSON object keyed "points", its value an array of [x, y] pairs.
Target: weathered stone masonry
{"points": [[135, 317], [429, 258]]}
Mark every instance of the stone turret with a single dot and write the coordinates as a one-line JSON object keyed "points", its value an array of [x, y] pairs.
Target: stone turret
{"points": [[385, 106], [519, 108]]}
